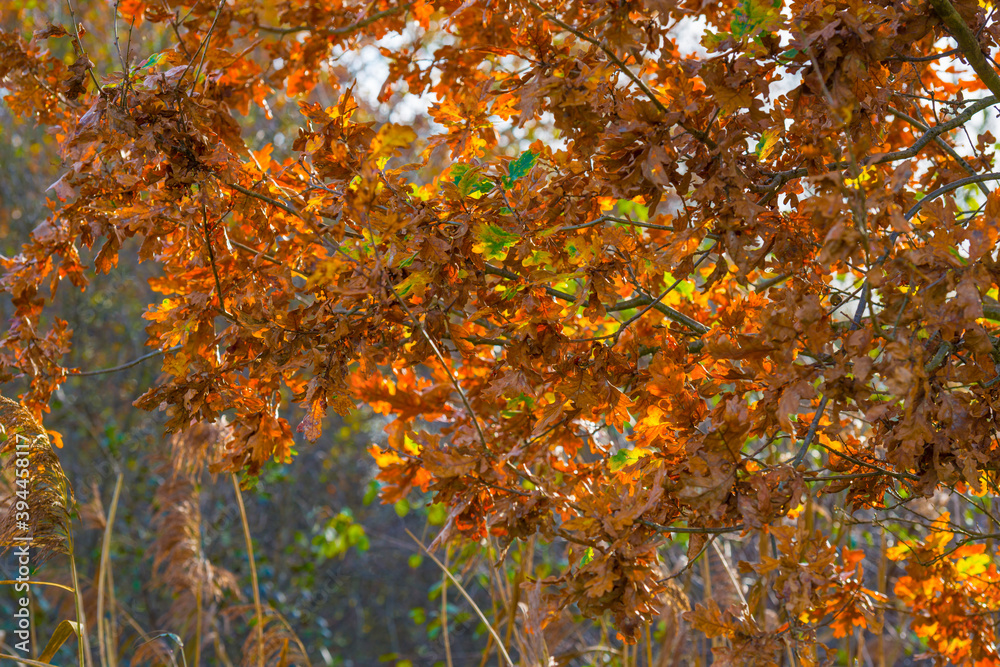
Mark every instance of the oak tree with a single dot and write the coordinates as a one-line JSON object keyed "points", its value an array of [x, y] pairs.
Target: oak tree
{"points": [[644, 273]]}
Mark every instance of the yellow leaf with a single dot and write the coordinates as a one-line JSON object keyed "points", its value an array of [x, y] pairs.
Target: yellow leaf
{"points": [[390, 138]]}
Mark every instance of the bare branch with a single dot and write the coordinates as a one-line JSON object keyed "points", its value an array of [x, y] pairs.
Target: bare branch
{"points": [[800, 457], [675, 315], [79, 44], [782, 177], [942, 143], [968, 43], [129, 364], [945, 189]]}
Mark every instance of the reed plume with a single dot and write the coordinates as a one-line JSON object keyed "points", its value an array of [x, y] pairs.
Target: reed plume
{"points": [[43, 487]]}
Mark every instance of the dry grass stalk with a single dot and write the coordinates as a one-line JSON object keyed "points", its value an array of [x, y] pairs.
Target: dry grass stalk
{"points": [[281, 646], [156, 652], [106, 635], [49, 495], [198, 447], [179, 561]]}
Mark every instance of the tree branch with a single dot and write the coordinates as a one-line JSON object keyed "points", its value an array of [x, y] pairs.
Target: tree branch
{"points": [[623, 68], [968, 43], [203, 45], [943, 144], [945, 189], [130, 364], [652, 304], [925, 59], [709, 530], [211, 260], [811, 434], [79, 43], [609, 218], [782, 177], [675, 315]]}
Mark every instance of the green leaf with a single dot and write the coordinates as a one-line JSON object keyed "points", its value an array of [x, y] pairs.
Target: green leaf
{"points": [[632, 210], [466, 179], [402, 507], [437, 513], [152, 61], [752, 17], [493, 241], [788, 56], [713, 41], [417, 279], [519, 168], [371, 493], [768, 140], [618, 460], [625, 457], [588, 556]]}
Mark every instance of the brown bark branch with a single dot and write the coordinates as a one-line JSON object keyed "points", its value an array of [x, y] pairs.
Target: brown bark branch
{"points": [[782, 177], [943, 144], [968, 43], [675, 315], [945, 189], [126, 365]]}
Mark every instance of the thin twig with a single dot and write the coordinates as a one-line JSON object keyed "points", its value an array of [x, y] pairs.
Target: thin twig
{"points": [[782, 177], [652, 304], [215, 270], [771, 282], [675, 315], [444, 617], [609, 218], [487, 450], [204, 52], [623, 68], [968, 43], [130, 364], [264, 255], [688, 530], [321, 231], [811, 434], [655, 302], [461, 589], [79, 43], [943, 144], [944, 189], [203, 45], [107, 652], [118, 47], [444, 364], [180, 40], [924, 59]]}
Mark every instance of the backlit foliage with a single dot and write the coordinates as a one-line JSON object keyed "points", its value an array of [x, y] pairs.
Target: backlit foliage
{"points": [[645, 273]]}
